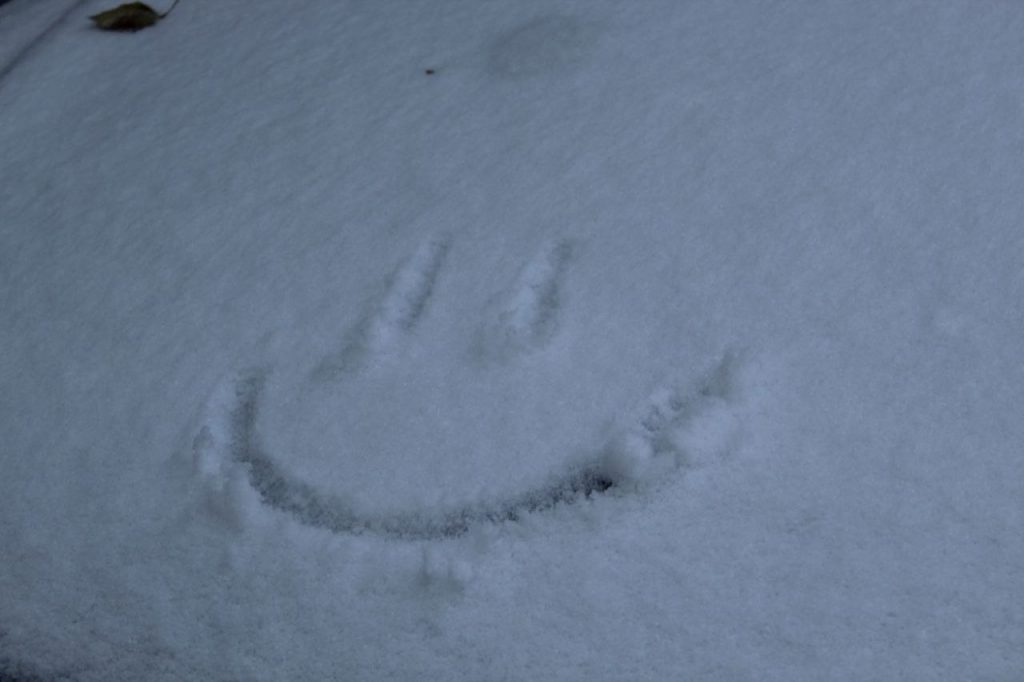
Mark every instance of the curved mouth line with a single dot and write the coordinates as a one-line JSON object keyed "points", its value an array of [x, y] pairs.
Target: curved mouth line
{"points": [[318, 509], [668, 429]]}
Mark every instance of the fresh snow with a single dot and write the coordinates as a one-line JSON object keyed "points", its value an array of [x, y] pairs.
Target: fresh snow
{"points": [[513, 341]]}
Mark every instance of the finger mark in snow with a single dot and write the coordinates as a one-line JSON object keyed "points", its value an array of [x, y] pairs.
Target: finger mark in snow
{"points": [[526, 316], [409, 292], [395, 316], [222, 462], [676, 429], [226, 494]]}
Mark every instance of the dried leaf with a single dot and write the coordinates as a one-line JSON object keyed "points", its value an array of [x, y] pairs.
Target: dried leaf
{"points": [[131, 16]]}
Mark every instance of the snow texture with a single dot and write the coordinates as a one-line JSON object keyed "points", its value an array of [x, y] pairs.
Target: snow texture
{"points": [[476, 340]]}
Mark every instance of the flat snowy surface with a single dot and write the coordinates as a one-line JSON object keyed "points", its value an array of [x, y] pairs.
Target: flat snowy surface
{"points": [[655, 340]]}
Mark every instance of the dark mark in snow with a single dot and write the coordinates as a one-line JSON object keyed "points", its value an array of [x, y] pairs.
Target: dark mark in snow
{"points": [[323, 510]]}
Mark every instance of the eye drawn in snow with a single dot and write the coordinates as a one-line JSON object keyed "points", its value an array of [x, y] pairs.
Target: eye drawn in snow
{"points": [[526, 316], [395, 316]]}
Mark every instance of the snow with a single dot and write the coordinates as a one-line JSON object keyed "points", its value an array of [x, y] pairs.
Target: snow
{"points": [[635, 341]]}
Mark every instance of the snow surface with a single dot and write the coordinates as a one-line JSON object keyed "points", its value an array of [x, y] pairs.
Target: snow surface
{"points": [[635, 341]]}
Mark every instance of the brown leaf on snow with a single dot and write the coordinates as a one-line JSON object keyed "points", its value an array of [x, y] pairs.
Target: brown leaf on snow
{"points": [[131, 16]]}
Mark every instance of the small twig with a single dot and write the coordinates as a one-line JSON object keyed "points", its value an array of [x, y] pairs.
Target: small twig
{"points": [[169, 9]]}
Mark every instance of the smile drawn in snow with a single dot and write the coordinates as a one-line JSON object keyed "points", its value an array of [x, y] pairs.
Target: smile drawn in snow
{"points": [[648, 445]]}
